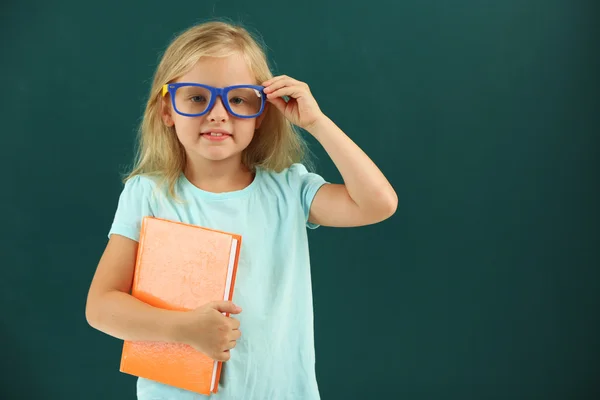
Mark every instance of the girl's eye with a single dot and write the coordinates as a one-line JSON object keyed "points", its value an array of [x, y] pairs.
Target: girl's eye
{"points": [[197, 99], [237, 100]]}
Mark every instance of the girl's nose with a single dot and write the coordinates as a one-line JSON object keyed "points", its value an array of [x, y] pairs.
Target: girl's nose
{"points": [[218, 112]]}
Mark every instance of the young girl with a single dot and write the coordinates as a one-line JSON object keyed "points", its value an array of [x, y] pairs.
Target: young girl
{"points": [[218, 148]]}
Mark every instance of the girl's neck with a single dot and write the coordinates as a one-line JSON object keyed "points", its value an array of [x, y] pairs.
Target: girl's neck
{"points": [[218, 176]]}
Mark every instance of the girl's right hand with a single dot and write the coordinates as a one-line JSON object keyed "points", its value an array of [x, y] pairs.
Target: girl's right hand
{"points": [[207, 330]]}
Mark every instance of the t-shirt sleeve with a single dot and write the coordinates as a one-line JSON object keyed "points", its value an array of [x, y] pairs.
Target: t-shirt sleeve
{"points": [[134, 204], [306, 184]]}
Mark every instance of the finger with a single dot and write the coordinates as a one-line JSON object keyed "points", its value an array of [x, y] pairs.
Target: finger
{"points": [[271, 86], [279, 84], [274, 79], [279, 103], [224, 356], [234, 323], [225, 306], [291, 91], [236, 335]]}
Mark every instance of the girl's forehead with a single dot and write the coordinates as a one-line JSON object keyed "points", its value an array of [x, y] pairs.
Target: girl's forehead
{"points": [[220, 71]]}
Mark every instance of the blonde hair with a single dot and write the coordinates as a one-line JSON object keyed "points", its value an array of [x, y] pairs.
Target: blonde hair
{"points": [[276, 143]]}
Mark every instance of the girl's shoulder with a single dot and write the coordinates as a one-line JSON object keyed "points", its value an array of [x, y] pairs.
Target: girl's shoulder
{"points": [[292, 175], [296, 184], [144, 187], [141, 183]]}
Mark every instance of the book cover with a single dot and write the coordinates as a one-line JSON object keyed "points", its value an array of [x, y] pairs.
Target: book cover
{"points": [[180, 266]]}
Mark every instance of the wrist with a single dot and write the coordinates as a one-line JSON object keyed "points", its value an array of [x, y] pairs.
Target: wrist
{"points": [[319, 125], [175, 326]]}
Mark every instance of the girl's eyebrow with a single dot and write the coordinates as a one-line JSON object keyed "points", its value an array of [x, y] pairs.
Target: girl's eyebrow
{"points": [[232, 84]]}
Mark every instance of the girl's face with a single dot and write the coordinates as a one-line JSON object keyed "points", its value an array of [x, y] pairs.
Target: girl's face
{"points": [[194, 133]]}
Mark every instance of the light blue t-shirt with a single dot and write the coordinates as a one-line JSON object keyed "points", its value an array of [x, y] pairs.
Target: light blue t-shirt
{"points": [[275, 356]]}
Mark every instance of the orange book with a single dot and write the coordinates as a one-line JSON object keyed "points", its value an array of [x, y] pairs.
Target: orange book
{"points": [[180, 267]]}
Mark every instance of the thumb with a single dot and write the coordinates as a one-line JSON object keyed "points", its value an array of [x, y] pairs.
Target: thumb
{"points": [[279, 103], [225, 306]]}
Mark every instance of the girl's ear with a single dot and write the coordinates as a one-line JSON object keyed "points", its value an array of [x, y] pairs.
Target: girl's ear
{"points": [[260, 118], [165, 111]]}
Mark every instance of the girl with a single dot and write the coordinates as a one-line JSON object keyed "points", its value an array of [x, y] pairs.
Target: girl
{"points": [[218, 148]]}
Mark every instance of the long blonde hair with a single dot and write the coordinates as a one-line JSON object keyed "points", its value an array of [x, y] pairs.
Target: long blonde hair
{"points": [[276, 143]]}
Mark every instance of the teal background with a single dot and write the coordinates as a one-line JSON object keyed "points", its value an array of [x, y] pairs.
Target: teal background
{"points": [[482, 114]]}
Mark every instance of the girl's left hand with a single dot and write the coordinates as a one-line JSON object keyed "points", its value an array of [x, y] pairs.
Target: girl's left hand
{"points": [[301, 109]]}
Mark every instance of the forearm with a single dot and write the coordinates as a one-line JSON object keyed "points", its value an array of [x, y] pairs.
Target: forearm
{"points": [[365, 183], [123, 316]]}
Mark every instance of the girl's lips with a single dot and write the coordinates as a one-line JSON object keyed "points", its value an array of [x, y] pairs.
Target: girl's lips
{"points": [[216, 138]]}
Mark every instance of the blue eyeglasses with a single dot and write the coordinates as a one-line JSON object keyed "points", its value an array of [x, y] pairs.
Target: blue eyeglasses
{"points": [[196, 99]]}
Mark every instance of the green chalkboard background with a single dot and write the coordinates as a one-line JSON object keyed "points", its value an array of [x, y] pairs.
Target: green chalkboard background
{"points": [[483, 114]]}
